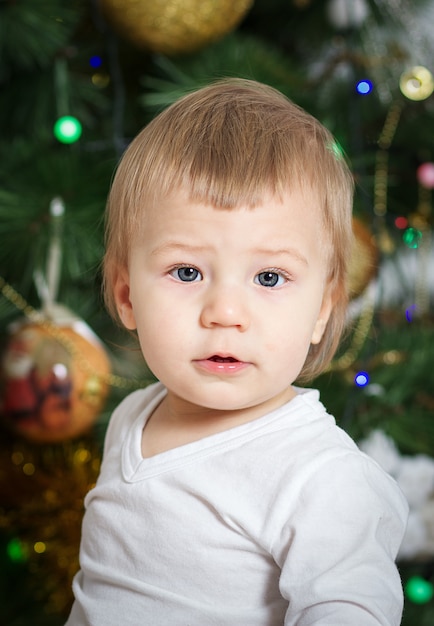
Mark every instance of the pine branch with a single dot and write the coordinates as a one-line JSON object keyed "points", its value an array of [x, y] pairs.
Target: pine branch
{"points": [[32, 32]]}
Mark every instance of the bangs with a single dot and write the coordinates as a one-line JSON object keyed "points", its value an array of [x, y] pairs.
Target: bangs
{"points": [[233, 159], [227, 149], [227, 179]]}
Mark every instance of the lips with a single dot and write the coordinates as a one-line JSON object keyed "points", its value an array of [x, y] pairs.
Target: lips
{"points": [[221, 364]]}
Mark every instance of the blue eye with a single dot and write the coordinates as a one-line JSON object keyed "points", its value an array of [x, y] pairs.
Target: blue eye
{"points": [[270, 279], [186, 274]]}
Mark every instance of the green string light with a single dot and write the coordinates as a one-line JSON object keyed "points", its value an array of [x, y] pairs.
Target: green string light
{"points": [[15, 551], [412, 237], [419, 590], [67, 129]]}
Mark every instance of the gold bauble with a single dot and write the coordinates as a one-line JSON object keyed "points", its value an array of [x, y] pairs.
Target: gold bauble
{"points": [[364, 259], [53, 380], [174, 26], [417, 83]]}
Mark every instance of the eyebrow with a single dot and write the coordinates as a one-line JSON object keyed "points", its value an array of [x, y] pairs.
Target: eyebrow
{"points": [[170, 246], [292, 252]]}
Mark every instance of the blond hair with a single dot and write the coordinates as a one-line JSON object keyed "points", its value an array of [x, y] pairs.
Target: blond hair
{"points": [[229, 144]]}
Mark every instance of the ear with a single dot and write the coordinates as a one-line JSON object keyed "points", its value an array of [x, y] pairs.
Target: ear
{"points": [[323, 317], [121, 293]]}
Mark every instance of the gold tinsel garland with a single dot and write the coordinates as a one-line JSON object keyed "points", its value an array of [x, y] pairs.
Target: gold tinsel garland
{"points": [[383, 239], [42, 490]]}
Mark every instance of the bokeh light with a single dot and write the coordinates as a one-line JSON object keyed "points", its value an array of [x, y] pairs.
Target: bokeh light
{"points": [[95, 61], [410, 312], [425, 175], [67, 129], [364, 87], [361, 379], [401, 222], [412, 237], [16, 551], [419, 590], [417, 83]]}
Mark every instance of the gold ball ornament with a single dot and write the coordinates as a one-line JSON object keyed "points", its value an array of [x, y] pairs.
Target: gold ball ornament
{"points": [[174, 26], [417, 83], [53, 380], [364, 259]]}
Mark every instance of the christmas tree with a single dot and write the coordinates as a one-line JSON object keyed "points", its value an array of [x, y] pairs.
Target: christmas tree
{"points": [[78, 81]]}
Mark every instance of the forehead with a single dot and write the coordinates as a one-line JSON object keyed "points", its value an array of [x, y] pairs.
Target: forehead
{"points": [[186, 202], [177, 221], [303, 190]]}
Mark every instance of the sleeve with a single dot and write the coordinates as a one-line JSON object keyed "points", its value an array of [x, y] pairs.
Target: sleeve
{"points": [[338, 566]]}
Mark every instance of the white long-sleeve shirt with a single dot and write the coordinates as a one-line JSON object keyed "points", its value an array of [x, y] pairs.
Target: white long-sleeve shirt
{"points": [[278, 521]]}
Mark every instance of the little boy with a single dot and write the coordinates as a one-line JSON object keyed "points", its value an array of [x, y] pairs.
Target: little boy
{"points": [[228, 496]]}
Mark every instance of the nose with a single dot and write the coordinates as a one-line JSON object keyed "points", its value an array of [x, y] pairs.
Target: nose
{"points": [[225, 307]]}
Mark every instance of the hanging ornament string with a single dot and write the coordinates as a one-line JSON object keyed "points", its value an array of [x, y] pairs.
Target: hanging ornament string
{"points": [[364, 323], [360, 333], [421, 221], [381, 176], [47, 285], [67, 129]]}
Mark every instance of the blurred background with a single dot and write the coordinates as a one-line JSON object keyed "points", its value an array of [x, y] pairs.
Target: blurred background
{"points": [[78, 80]]}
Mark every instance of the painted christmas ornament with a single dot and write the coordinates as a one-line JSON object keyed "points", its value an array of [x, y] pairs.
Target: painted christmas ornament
{"points": [[53, 380], [174, 26], [364, 259]]}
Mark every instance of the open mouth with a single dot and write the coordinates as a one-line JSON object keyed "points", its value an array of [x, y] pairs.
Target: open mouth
{"points": [[222, 359], [222, 365]]}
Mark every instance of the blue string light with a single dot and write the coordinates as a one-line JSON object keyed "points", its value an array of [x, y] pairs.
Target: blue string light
{"points": [[364, 87], [409, 312], [361, 379], [95, 61]]}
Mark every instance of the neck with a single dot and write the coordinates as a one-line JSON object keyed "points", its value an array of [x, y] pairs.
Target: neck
{"points": [[177, 422], [176, 412]]}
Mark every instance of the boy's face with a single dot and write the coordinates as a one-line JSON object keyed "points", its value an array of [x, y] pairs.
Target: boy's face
{"points": [[227, 302]]}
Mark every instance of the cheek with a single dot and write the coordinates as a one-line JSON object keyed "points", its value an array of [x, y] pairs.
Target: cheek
{"points": [[161, 330], [289, 340]]}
